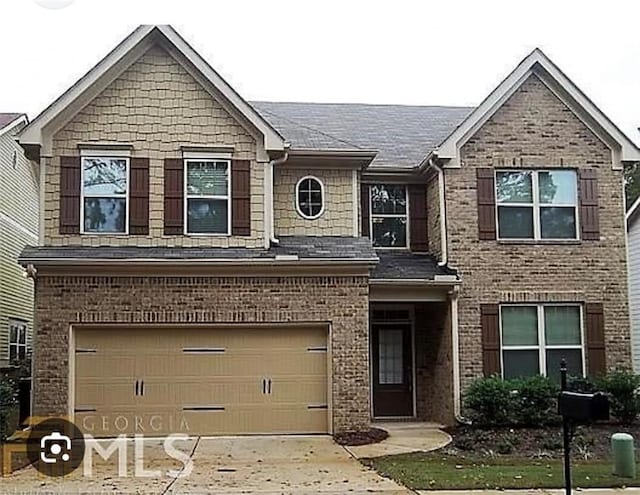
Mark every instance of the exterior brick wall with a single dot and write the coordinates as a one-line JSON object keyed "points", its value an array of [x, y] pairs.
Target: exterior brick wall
{"points": [[535, 129], [433, 219], [158, 107], [341, 301], [337, 219]]}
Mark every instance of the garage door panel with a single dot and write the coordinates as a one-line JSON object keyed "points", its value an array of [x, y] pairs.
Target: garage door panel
{"points": [[303, 389]]}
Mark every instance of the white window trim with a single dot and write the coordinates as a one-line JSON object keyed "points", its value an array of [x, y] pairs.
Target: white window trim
{"points": [[187, 196], [391, 215], [25, 325], [536, 205], [125, 197], [322, 195], [542, 347]]}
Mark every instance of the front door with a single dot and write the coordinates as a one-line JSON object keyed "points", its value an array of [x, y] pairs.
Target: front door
{"points": [[392, 369]]}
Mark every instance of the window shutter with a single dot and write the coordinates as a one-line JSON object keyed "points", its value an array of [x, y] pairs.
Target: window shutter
{"points": [[139, 196], [364, 209], [589, 213], [486, 204], [490, 339], [418, 217], [241, 197], [69, 194], [173, 196], [596, 360]]}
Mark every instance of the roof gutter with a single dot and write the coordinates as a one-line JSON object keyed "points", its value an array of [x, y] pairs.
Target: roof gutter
{"points": [[270, 238]]}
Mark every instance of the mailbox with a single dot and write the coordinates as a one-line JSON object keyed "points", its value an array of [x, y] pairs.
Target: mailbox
{"points": [[584, 408]]}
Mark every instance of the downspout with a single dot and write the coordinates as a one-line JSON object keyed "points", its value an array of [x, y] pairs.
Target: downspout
{"points": [[443, 213], [455, 355], [270, 217]]}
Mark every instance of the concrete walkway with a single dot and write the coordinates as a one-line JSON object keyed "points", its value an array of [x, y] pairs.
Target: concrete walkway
{"points": [[404, 438]]}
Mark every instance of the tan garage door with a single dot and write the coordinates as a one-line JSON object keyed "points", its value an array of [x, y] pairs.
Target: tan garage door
{"points": [[201, 381]]}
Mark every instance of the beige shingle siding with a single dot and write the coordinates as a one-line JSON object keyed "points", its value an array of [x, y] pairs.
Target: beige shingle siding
{"points": [[18, 228], [158, 107], [337, 219], [633, 239]]}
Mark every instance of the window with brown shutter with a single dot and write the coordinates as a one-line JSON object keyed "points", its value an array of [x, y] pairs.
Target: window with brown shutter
{"points": [[69, 194], [241, 197], [596, 358], [173, 196], [489, 314], [418, 217], [139, 196], [364, 210], [589, 212], [486, 204]]}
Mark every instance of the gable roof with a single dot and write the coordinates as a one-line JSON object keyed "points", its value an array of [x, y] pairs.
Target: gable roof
{"points": [[402, 134], [539, 64], [9, 120], [122, 57]]}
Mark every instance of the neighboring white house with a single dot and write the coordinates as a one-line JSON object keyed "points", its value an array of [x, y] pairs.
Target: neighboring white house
{"points": [[633, 254]]}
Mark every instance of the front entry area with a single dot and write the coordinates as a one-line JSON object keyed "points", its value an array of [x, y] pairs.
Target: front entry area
{"points": [[201, 380]]}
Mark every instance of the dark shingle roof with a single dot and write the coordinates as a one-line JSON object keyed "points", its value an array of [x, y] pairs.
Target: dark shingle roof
{"points": [[406, 265], [7, 118], [403, 135], [309, 248]]}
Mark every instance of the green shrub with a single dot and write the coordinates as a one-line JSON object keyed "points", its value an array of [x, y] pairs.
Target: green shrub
{"points": [[8, 403], [583, 385], [622, 388], [490, 401], [537, 399]]}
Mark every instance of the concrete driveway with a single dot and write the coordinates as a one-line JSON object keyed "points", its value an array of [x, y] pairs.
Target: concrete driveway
{"points": [[270, 464]]}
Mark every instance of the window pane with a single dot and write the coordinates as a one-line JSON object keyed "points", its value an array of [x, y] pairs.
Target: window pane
{"points": [[515, 222], [388, 199], [207, 216], [104, 176], [514, 187], [310, 197], [574, 362], [557, 187], [520, 364], [558, 222], [13, 352], [519, 325], [105, 214], [389, 232], [207, 178], [390, 357], [13, 333], [562, 325], [22, 352], [22, 334]]}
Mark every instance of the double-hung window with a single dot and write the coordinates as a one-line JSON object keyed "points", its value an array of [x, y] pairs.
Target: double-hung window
{"points": [[105, 194], [207, 199], [388, 215], [17, 340], [536, 337], [537, 204]]}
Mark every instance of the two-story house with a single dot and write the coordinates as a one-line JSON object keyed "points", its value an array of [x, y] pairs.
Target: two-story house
{"points": [[209, 265], [18, 228]]}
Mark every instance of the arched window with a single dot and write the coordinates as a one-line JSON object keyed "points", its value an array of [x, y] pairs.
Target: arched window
{"points": [[310, 197]]}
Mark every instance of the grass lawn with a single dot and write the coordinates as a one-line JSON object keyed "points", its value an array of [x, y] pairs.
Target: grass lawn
{"points": [[425, 471]]}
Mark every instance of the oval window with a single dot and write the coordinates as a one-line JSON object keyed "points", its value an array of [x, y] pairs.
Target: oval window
{"points": [[310, 197]]}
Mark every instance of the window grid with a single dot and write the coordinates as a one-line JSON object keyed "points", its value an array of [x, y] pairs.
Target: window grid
{"points": [[536, 205], [18, 346], [310, 182], [405, 216], [542, 347], [188, 196]]}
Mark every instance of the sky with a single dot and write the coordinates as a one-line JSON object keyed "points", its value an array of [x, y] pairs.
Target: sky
{"points": [[450, 52]]}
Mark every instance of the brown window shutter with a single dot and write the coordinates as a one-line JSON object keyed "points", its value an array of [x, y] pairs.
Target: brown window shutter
{"points": [[139, 197], [596, 359], [69, 194], [173, 196], [489, 314], [241, 197], [364, 210], [589, 212], [418, 217], [486, 204]]}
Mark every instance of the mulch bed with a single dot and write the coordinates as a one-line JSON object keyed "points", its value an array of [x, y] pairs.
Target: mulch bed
{"points": [[589, 443], [364, 437]]}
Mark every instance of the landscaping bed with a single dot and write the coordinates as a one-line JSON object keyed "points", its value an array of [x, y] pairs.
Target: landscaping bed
{"points": [[363, 437]]}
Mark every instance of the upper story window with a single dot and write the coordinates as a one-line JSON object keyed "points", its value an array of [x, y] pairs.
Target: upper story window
{"points": [[537, 204], [310, 198], [17, 340], [535, 338], [389, 215], [207, 199], [105, 195]]}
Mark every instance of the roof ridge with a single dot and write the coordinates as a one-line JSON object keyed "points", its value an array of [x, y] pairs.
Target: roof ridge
{"points": [[465, 107]]}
